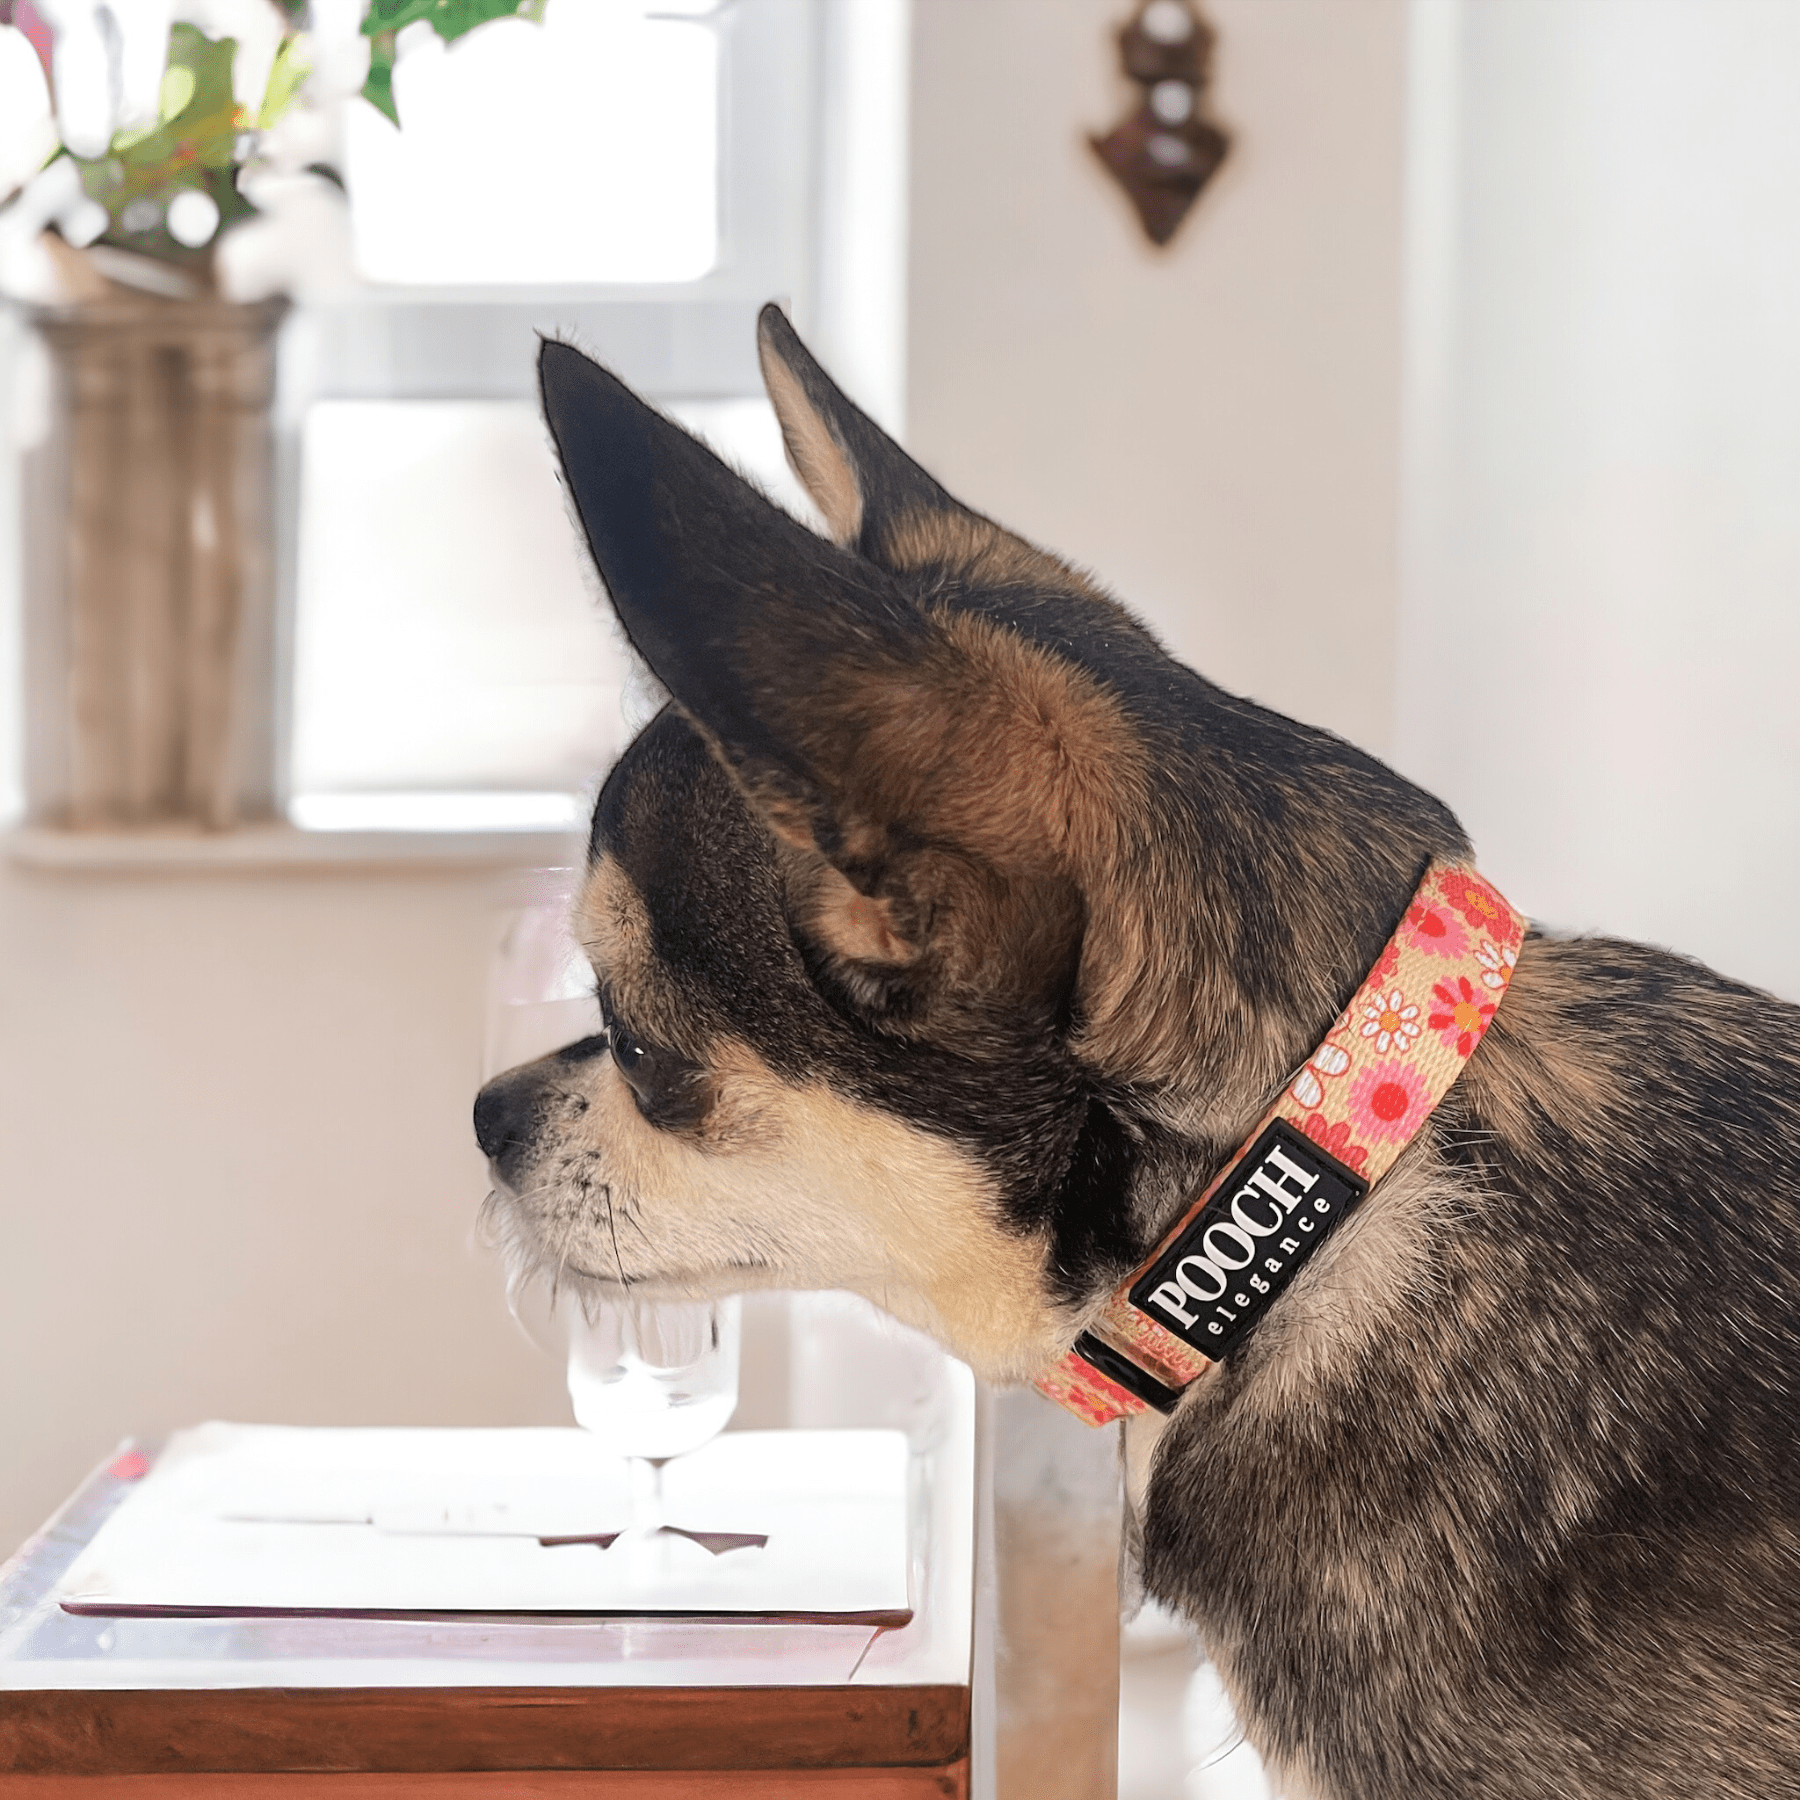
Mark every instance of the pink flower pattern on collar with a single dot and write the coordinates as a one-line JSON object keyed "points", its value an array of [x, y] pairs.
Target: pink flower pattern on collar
{"points": [[1435, 930], [1389, 1103], [1460, 1013], [1361, 1095]]}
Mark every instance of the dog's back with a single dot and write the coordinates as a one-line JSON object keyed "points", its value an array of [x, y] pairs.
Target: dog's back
{"points": [[1508, 1502]]}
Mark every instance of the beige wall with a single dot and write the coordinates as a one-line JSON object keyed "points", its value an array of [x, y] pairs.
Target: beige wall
{"points": [[1601, 630], [238, 1173], [239, 1177], [1211, 427]]}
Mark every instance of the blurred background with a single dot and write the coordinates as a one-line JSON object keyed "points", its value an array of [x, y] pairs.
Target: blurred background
{"points": [[1461, 415]]}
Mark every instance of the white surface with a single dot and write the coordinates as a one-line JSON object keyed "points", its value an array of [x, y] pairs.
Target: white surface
{"points": [[857, 324], [280, 1518], [423, 809], [886, 1376], [1604, 425], [267, 847], [447, 635]]}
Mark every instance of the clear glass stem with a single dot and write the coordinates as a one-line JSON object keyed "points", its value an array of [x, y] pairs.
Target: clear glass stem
{"points": [[647, 1493]]}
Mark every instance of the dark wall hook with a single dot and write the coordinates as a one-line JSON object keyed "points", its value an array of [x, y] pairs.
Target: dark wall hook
{"points": [[1167, 150]]}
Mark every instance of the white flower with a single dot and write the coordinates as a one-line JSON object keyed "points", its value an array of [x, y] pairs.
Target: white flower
{"points": [[1392, 1022], [1496, 965], [1328, 1059]]}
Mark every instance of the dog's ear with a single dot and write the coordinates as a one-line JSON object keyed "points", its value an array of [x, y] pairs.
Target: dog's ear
{"points": [[875, 498], [927, 772], [859, 478], [743, 614]]}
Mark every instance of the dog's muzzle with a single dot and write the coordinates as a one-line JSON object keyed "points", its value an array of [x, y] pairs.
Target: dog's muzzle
{"points": [[509, 1110]]}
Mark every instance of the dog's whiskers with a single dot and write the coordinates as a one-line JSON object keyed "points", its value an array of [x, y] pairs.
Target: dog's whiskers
{"points": [[612, 1226], [531, 1255]]}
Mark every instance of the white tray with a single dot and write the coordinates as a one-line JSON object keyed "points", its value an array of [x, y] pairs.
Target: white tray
{"points": [[239, 1520]]}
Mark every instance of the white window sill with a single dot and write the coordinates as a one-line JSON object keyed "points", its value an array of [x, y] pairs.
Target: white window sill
{"points": [[281, 846]]}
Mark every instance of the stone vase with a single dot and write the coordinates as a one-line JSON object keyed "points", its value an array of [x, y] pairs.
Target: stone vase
{"points": [[150, 641]]}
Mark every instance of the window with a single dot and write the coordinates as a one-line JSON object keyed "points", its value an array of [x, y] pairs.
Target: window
{"points": [[455, 661], [647, 174], [596, 160]]}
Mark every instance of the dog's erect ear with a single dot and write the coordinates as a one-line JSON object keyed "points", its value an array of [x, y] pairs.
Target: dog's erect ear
{"points": [[930, 773], [736, 607], [860, 479], [875, 498]]}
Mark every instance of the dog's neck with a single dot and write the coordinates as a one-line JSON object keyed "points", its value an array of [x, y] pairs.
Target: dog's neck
{"points": [[1337, 1126]]}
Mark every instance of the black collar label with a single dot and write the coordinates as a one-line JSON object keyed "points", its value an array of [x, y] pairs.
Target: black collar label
{"points": [[1278, 1203]]}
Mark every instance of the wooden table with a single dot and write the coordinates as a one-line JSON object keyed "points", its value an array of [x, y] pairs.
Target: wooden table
{"points": [[512, 1708]]}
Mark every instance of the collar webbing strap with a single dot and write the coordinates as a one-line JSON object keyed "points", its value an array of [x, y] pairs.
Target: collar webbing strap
{"points": [[1341, 1121]]}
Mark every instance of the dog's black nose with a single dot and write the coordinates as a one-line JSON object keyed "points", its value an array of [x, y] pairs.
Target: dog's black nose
{"points": [[505, 1117]]}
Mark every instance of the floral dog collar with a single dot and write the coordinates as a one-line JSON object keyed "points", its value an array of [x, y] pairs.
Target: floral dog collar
{"points": [[1341, 1121]]}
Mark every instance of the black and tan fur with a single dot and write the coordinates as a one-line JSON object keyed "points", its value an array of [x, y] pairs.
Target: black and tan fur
{"points": [[951, 935]]}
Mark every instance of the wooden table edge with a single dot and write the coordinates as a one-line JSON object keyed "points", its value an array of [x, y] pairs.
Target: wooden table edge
{"points": [[420, 1730]]}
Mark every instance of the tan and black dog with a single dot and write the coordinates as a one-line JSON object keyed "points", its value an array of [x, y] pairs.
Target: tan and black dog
{"points": [[951, 936]]}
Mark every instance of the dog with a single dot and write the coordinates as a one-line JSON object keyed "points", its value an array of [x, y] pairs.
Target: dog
{"points": [[950, 937]]}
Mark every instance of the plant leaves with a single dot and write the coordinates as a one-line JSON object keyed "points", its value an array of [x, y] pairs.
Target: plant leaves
{"points": [[200, 115], [156, 241], [450, 19], [194, 144], [378, 90], [177, 90], [290, 68]]}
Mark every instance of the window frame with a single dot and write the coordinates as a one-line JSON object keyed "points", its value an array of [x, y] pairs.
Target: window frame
{"points": [[691, 340]]}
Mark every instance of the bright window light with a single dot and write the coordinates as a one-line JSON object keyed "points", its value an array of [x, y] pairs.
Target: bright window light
{"points": [[446, 636], [580, 150], [454, 658]]}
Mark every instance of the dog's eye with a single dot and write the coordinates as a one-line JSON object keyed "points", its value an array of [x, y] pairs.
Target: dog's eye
{"points": [[628, 1053], [670, 1091]]}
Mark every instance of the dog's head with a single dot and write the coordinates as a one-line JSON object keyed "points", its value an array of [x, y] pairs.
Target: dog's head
{"points": [[945, 928]]}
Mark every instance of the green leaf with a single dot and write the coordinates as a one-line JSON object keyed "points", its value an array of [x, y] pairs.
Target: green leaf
{"points": [[378, 90], [200, 119], [290, 68], [448, 18], [176, 91], [210, 61], [391, 15], [454, 17], [193, 144], [222, 184], [161, 187]]}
